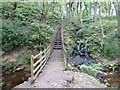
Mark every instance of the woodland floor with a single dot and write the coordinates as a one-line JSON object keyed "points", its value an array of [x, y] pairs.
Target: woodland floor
{"points": [[54, 75]]}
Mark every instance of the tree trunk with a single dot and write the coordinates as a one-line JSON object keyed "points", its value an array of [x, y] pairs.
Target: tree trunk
{"points": [[118, 16], [77, 6], [81, 13], [13, 11], [109, 8], [14, 5], [70, 10], [116, 7], [53, 8], [95, 11], [86, 8], [101, 26], [118, 23]]}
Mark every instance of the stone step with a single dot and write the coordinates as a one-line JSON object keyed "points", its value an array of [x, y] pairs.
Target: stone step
{"points": [[57, 43], [57, 48]]}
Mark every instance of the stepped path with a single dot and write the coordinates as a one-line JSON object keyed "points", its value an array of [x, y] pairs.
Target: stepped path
{"points": [[54, 75]]}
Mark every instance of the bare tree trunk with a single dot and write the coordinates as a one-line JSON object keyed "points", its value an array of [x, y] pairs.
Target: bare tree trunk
{"points": [[14, 5], [118, 23], [95, 11], [81, 13], [86, 8], [70, 10], [77, 6], [101, 26], [53, 8], [43, 11], [99, 10], [118, 16], [116, 7], [13, 11], [109, 8]]}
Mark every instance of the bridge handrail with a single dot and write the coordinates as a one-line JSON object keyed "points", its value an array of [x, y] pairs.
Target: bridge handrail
{"points": [[42, 59], [65, 52], [37, 66], [43, 56]]}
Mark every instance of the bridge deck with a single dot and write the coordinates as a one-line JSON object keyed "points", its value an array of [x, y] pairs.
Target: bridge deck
{"points": [[55, 76]]}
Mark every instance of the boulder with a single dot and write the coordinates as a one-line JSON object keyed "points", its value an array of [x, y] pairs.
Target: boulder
{"points": [[78, 60]]}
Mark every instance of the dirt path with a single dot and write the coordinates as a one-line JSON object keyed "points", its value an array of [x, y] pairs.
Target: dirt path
{"points": [[55, 76]]}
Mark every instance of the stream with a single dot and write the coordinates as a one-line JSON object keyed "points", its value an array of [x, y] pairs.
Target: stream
{"points": [[10, 79], [81, 56], [112, 77], [108, 77]]}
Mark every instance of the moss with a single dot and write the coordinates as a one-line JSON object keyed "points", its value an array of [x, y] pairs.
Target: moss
{"points": [[69, 67]]}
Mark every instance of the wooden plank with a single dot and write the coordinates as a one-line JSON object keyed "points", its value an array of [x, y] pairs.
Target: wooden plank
{"points": [[38, 66], [64, 51], [46, 49], [40, 63], [43, 64], [36, 56], [32, 68], [39, 60], [40, 69]]}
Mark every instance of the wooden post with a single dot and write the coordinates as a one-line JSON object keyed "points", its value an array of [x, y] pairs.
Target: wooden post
{"points": [[32, 68], [40, 54]]}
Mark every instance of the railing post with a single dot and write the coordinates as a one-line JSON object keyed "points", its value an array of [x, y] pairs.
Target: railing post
{"points": [[40, 55], [32, 68]]}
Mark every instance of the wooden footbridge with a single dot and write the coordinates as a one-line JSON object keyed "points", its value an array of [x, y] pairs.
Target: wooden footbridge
{"points": [[39, 61], [55, 75]]}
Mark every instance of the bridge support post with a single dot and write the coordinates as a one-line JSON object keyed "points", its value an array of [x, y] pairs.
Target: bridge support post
{"points": [[32, 69]]}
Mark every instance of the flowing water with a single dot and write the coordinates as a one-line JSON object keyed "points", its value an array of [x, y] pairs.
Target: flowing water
{"points": [[112, 77], [113, 80], [10, 79], [109, 77]]}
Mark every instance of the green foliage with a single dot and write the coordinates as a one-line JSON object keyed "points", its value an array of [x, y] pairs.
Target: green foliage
{"points": [[6, 9], [112, 67], [10, 65], [69, 67], [91, 70], [82, 41], [109, 17], [22, 25], [39, 33], [1, 53], [29, 13], [99, 47], [13, 34], [69, 29], [24, 59], [111, 50], [55, 18]]}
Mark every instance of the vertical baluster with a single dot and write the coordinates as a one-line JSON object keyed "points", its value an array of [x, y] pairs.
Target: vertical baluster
{"points": [[32, 68]]}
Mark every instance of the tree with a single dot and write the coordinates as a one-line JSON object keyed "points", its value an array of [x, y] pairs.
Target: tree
{"points": [[95, 10], [13, 11], [101, 26], [119, 18]]}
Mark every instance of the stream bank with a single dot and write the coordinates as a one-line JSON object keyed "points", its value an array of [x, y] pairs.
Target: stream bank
{"points": [[77, 46], [14, 75]]}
